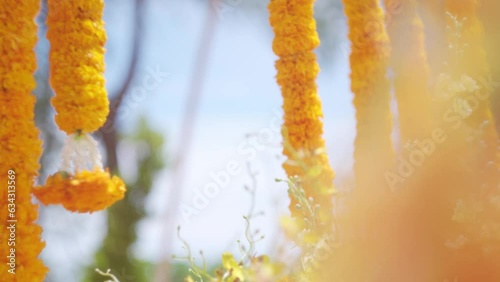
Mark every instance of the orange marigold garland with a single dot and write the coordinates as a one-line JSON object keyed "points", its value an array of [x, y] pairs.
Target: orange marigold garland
{"points": [[368, 224], [20, 147], [295, 39], [77, 36], [369, 59]]}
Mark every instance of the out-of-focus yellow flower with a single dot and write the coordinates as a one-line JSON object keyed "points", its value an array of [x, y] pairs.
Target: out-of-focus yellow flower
{"points": [[234, 270], [263, 269], [87, 191], [290, 226]]}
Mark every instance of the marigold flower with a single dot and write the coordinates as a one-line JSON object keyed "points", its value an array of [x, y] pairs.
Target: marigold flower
{"points": [[20, 147], [77, 36], [76, 187], [87, 191], [295, 39]]}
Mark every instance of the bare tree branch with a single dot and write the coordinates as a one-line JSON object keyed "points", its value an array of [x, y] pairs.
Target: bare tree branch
{"points": [[109, 131], [162, 270]]}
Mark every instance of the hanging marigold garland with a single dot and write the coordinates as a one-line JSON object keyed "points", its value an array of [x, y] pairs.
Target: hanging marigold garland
{"points": [[77, 36], [369, 58], [295, 39], [20, 147]]}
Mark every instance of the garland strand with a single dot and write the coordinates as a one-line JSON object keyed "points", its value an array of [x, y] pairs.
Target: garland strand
{"points": [[77, 36], [295, 39], [20, 147], [409, 63], [373, 151]]}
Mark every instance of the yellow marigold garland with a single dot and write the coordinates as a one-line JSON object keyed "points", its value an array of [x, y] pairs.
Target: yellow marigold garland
{"points": [[20, 146], [369, 58], [295, 39], [364, 236], [77, 36]]}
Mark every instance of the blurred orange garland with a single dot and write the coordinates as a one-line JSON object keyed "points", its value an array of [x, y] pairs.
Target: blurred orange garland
{"points": [[370, 51]]}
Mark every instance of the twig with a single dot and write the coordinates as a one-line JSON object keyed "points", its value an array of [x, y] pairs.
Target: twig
{"points": [[107, 274]]}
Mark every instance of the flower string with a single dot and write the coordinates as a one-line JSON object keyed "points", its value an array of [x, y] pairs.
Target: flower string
{"points": [[77, 36], [20, 147], [295, 39], [369, 58]]}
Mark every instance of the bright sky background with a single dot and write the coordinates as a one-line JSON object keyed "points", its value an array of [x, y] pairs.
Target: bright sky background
{"points": [[240, 97]]}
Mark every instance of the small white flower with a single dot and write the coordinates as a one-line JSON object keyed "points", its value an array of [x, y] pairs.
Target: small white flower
{"points": [[80, 152]]}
